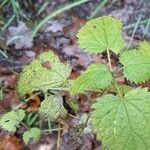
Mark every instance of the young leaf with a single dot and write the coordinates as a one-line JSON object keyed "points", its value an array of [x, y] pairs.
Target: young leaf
{"points": [[44, 73], [32, 134], [11, 120], [136, 63], [52, 108], [122, 123], [101, 34], [96, 77]]}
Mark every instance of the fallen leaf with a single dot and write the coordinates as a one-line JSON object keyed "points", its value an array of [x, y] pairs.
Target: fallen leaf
{"points": [[20, 36], [10, 142], [33, 104], [84, 103], [88, 139], [76, 56], [71, 30], [54, 26], [9, 81], [74, 74], [9, 100]]}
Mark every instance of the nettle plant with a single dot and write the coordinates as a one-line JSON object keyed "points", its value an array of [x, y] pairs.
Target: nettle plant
{"points": [[120, 119]]}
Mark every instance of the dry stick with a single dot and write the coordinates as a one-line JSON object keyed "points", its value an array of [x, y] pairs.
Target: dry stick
{"points": [[110, 67]]}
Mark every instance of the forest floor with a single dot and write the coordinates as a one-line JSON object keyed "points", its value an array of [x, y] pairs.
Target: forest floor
{"points": [[59, 35]]}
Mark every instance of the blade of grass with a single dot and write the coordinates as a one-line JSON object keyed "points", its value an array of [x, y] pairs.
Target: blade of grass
{"points": [[13, 39], [134, 30], [98, 8], [147, 26], [7, 24], [15, 8], [3, 3], [133, 24], [33, 119], [43, 7], [53, 14], [3, 53]]}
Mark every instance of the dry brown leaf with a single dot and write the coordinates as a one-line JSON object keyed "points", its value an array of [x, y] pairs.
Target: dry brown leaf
{"points": [[77, 23], [10, 142], [10, 99], [9, 81], [84, 103], [34, 103]]}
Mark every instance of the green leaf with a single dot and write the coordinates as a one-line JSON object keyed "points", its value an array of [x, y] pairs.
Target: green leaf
{"points": [[52, 108], [46, 72], [96, 77], [11, 120], [101, 34], [144, 46], [136, 63], [32, 134], [123, 123], [122, 87]]}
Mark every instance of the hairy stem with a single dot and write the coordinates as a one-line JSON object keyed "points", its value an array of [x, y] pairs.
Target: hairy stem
{"points": [[109, 61], [110, 67], [118, 89]]}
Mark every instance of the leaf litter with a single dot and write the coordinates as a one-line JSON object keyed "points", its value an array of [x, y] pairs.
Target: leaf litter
{"points": [[61, 38]]}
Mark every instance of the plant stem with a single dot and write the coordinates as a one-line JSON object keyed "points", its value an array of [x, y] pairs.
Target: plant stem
{"points": [[109, 61], [118, 89], [58, 138], [24, 125], [26, 100], [50, 130], [110, 67]]}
